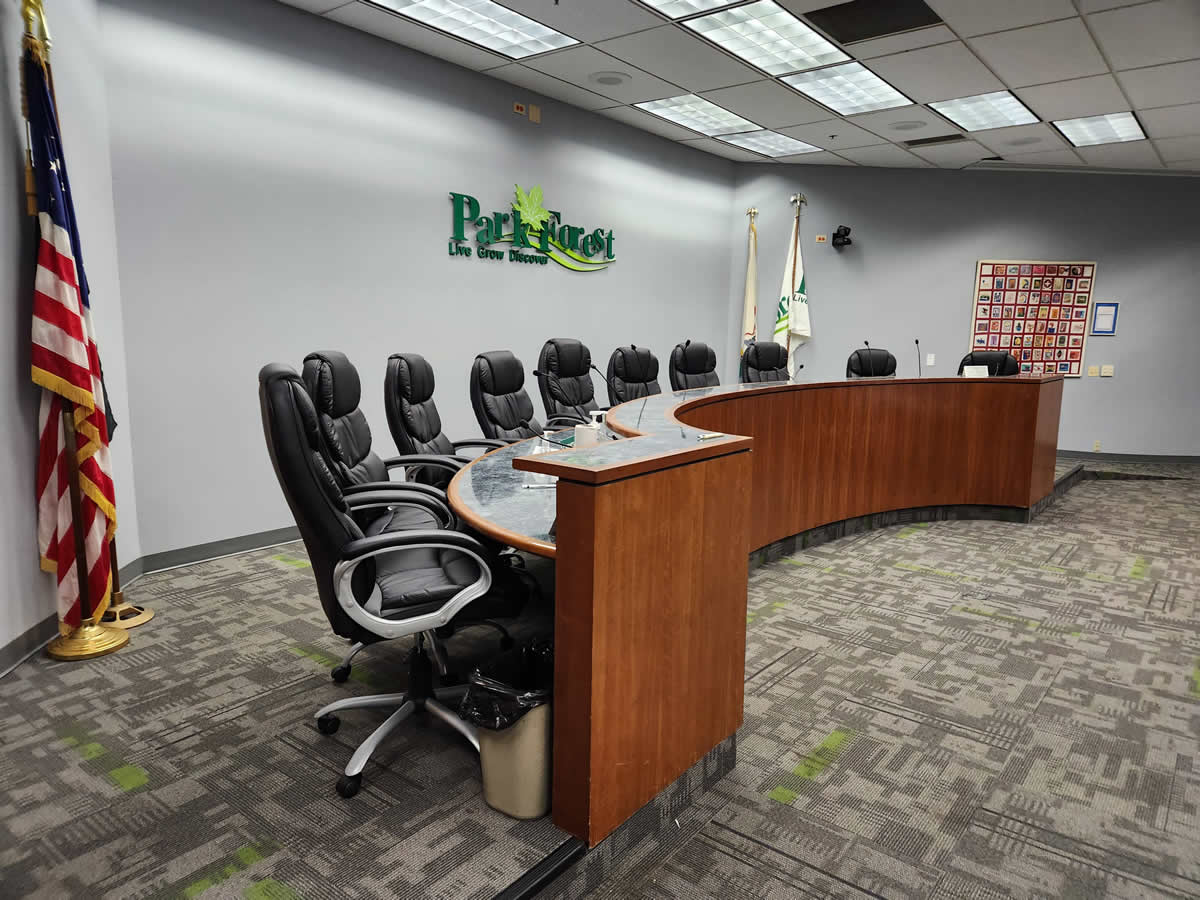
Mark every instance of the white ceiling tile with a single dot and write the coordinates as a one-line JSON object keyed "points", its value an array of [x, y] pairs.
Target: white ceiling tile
{"points": [[1168, 85], [647, 122], [720, 148], [799, 7], [943, 72], [316, 6], [815, 159], [418, 37], [575, 64], [1093, 96], [900, 124], [1127, 155], [768, 103], [832, 134], [888, 155], [548, 85], [971, 17], [1047, 158], [897, 43], [680, 58], [1020, 139], [953, 156], [588, 22], [1171, 121], [1179, 148], [1152, 34], [1190, 165], [1040, 54]]}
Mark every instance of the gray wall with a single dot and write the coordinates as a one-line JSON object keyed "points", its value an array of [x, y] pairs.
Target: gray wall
{"points": [[282, 186], [29, 594], [917, 235]]}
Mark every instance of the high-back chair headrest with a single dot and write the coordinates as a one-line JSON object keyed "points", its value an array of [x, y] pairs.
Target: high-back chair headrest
{"points": [[566, 383], [412, 415], [632, 373], [693, 364], [764, 361], [870, 363], [335, 389], [294, 440], [498, 397], [999, 362]]}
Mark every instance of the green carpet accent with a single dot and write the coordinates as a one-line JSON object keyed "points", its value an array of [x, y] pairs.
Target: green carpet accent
{"points": [[941, 573], [1195, 689], [294, 561], [270, 889], [227, 867], [1139, 568], [915, 528], [1070, 630], [125, 776], [328, 661], [813, 764]]}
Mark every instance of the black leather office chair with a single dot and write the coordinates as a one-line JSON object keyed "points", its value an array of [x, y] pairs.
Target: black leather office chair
{"points": [[998, 362], [693, 364], [565, 382], [501, 404], [632, 373], [414, 421], [379, 582], [871, 363], [764, 361]]}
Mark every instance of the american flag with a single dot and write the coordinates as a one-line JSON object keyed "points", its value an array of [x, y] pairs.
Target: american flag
{"points": [[66, 364]]}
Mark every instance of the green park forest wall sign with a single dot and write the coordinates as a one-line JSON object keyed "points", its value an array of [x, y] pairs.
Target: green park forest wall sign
{"points": [[537, 235]]}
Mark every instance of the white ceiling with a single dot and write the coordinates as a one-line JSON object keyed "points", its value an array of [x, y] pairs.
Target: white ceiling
{"points": [[1062, 58]]}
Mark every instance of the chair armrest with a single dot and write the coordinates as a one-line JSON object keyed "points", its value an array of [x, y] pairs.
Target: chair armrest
{"points": [[416, 487], [356, 552], [401, 496], [478, 442], [453, 463], [565, 420]]}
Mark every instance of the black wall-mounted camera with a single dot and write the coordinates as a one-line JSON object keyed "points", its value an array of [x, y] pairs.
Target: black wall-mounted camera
{"points": [[841, 237]]}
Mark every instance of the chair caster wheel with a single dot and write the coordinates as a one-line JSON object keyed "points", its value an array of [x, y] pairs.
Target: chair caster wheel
{"points": [[340, 674], [328, 723], [348, 785]]}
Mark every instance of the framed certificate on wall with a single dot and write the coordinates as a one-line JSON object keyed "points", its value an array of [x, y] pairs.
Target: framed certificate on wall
{"points": [[1104, 318]]}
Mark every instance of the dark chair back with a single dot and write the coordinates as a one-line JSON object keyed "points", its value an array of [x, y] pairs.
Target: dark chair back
{"points": [[998, 362], [693, 364], [764, 361], [870, 363], [408, 401], [498, 397], [632, 373], [294, 435], [333, 384], [566, 380]]}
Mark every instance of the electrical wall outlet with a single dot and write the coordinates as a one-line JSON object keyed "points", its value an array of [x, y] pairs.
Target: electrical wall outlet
{"points": [[519, 108], [1093, 371], [822, 238], [1096, 447], [929, 358], [1107, 371]]}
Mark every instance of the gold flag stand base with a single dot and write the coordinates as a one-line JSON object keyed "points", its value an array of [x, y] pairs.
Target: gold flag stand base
{"points": [[125, 615], [87, 641]]}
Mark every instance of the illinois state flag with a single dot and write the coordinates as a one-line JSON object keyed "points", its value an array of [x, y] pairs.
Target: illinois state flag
{"points": [[66, 364], [792, 328]]}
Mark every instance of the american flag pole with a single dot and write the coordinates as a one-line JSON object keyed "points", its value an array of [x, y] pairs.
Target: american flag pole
{"points": [[76, 509]]}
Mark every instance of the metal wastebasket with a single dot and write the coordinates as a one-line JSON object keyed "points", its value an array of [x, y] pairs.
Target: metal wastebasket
{"points": [[508, 699]]}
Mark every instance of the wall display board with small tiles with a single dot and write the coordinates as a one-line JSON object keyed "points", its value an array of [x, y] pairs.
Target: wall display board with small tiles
{"points": [[1036, 310]]}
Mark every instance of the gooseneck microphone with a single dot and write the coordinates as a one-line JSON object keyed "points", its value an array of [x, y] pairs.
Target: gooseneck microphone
{"points": [[607, 380], [559, 394], [917, 341], [870, 361]]}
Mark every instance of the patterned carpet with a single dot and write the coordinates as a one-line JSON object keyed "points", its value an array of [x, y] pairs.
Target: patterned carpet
{"points": [[970, 710], [955, 710]]}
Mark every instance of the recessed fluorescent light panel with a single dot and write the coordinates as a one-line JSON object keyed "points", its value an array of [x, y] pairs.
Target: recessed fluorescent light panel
{"points": [[998, 109], [677, 9], [768, 36], [1108, 129], [484, 23], [848, 89], [697, 114], [770, 143]]}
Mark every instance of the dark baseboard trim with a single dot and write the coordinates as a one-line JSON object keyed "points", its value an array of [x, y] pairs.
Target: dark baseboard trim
{"points": [[169, 559], [24, 644], [532, 882], [1129, 457]]}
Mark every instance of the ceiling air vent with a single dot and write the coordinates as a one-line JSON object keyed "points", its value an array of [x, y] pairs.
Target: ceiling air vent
{"points": [[861, 20], [930, 141]]}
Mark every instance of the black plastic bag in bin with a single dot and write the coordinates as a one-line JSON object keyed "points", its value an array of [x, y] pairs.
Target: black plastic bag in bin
{"points": [[506, 687]]}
